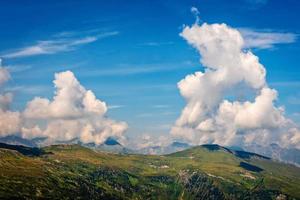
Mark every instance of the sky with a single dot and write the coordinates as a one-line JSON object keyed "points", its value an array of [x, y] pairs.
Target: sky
{"points": [[131, 55]]}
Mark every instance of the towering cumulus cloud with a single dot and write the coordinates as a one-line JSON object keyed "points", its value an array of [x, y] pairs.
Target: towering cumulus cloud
{"points": [[210, 116], [73, 113]]}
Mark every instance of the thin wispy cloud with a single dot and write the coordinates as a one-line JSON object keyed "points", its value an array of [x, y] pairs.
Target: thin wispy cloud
{"points": [[255, 4], [127, 69], [142, 115], [18, 68], [154, 114], [161, 106], [56, 45], [266, 39], [29, 89], [155, 44], [296, 114], [111, 107], [120, 71], [285, 84], [294, 100], [167, 113], [256, 1]]}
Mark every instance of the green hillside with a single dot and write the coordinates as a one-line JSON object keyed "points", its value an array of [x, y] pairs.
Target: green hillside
{"points": [[204, 172]]}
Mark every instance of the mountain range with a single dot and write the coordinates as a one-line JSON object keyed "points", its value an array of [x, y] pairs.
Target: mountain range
{"points": [[274, 151], [72, 171]]}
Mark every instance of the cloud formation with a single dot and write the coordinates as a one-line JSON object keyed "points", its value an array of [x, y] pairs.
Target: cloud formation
{"points": [[9, 120], [55, 45], [71, 100], [209, 115], [265, 39], [73, 113]]}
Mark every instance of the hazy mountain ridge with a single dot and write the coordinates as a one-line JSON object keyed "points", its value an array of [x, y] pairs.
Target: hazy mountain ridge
{"points": [[161, 150], [15, 140], [274, 151]]}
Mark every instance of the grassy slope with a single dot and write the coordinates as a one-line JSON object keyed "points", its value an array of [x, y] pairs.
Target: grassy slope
{"points": [[72, 171], [275, 175]]}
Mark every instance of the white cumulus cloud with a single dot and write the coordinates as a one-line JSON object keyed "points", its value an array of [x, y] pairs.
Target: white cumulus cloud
{"points": [[209, 116], [71, 100], [72, 113]]}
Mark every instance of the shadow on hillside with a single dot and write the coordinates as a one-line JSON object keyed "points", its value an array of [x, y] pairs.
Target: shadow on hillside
{"points": [[250, 167], [27, 151]]}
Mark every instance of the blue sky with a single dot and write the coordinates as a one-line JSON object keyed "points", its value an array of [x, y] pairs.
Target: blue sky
{"points": [[131, 55]]}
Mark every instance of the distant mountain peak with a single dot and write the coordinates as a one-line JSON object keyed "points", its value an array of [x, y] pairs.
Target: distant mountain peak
{"points": [[215, 147], [111, 141], [17, 140], [180, 144]]}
